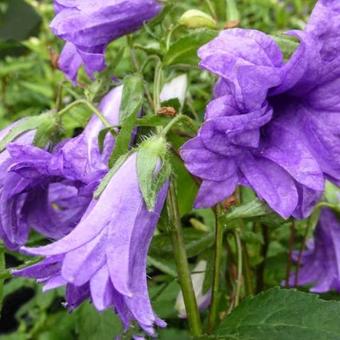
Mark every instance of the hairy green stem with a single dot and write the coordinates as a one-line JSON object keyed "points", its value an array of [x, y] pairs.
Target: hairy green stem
{"points": [[216, 272], [105, 122], [182, 265]]}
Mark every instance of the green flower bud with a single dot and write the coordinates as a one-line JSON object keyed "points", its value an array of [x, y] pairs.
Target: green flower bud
{"points": [[194, 18]]}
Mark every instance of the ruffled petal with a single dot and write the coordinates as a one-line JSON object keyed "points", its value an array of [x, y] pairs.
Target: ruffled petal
{"points": [[206, 164], [284, 146], [271, 183], [251, 68], [324, 26]]}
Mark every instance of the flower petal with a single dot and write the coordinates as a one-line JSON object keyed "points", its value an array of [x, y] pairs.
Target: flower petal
{"points": [[271, 183], [211, 192]]}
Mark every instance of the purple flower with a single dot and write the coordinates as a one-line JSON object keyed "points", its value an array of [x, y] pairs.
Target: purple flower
{"points": [[5, 163], [104, 257], [272, 125], [320, 263], [88, 27], [51, 191]]}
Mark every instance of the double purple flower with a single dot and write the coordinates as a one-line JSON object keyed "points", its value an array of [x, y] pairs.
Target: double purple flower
{"points": [[50, 191], [89, 26], [273, 125], [104, 257]]}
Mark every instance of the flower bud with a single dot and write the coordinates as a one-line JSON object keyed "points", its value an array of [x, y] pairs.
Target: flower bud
{"points": [[194, 18]]}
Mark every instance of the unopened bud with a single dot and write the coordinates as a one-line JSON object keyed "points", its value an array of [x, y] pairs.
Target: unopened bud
{"points": [[194, 18]]}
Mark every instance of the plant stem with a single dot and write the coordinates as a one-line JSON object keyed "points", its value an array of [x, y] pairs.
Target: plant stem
{"points": [[262, 266], [157, 86], [239, 267], [134, 59], [290, 252], [182, 265], [216, 272], [247, 271], [211, 8], [105, 122], [302, 249]]}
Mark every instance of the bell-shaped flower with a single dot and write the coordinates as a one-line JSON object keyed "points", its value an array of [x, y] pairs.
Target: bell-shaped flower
{"points": [[273, 125], [104, 257], [88, 27], [50, 191]]}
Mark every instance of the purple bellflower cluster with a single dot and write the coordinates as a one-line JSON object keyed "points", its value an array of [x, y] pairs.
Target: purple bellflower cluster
{"points": [[50, 191], [320, 262], [104, 257], [100, 244], [89, 26], [272, 125]]}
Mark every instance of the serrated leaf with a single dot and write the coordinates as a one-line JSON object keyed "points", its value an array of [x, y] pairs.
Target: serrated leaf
{"points": [[281, 314], [131, 105], [184, 50]]}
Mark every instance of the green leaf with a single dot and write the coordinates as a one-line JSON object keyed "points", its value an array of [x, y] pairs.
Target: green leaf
{"points": [[132, 102], [92, 325], [163, 265], [184, 50], [24, 125], [196, 242], [19, 21], [255, 208], [46, 131], [281, 314], [185, 184], [153, 121]]}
